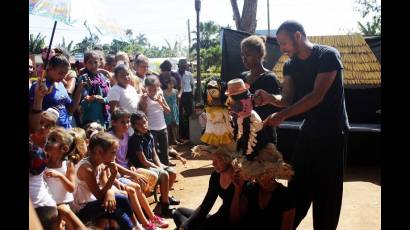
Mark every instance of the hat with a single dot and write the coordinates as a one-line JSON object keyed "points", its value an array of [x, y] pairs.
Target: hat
{"points": [[53, 112], [236, 86], [225, 151], [269, 162]]}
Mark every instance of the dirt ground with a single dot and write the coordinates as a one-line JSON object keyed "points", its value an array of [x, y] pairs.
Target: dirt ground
{"points": [[361, 205]]}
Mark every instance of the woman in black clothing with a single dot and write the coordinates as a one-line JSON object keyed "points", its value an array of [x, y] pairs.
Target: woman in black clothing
{"points": [[220, 184], [258, 77], [266, 203]]}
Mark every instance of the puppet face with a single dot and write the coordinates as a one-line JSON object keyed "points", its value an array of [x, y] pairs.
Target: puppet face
{"points": [[243, 107], [213, 94]]}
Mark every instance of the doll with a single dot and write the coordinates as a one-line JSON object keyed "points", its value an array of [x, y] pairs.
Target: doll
{"points": [[218, 130], [246, 122]]}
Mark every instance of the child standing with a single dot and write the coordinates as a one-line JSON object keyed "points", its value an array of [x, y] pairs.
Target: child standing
{"points": [[142, 153], [91, 201], [199, 111], [123, 94], [94, 102], [154, 105], [57, 96], [172, 118], [59, 174]]}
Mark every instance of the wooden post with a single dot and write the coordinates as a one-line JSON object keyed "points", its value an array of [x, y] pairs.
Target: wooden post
{"points": [[189, 43], [198, 60], [268, 19]]}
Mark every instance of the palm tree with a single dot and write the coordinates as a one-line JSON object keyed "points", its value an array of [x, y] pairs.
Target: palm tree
{"points": [[67, 48], [369, 7], [36, 44], [209, 35], [142, 40], [370, 29]]}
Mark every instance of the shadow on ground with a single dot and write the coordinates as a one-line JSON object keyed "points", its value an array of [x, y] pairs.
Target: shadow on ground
{"points": [[202, 171], [363, 173]]}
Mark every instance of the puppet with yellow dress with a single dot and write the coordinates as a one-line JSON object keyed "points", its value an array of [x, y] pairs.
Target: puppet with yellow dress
{"points": [[218, 130]]}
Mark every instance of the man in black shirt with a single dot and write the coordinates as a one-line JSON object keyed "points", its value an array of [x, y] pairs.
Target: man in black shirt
{"points": [[313, 84]]}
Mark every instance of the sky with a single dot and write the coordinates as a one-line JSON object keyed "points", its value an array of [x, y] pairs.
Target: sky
{"points": [[162, 20]]}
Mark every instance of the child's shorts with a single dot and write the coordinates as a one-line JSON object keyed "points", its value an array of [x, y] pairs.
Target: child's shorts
{"points": [[160, 171]]}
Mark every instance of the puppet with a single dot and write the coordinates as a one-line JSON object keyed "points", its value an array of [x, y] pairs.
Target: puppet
{"points": [[246, 122], [218, 130]]}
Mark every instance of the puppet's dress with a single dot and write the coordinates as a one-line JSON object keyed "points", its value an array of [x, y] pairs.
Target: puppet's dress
{"points": [[218, 128]]}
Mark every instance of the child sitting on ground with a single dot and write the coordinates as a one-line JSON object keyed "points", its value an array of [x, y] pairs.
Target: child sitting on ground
{"points": [[120, 123], [91, 201], [142, 153], [59, 174], [43, 203], [144, 179]]}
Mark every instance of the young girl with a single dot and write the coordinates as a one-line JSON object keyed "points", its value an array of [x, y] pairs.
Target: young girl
{"points": [[120, 124], [123, 94], [94, 102], [91, 129], [154, 106], [43, 203], [59, 174], [202, 116], [57, 96], [123, 58], [91, 201], [172, 118], [143, 180]]}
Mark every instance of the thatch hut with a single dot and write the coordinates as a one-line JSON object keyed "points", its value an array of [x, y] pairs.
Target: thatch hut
{"points": [[361, 67]]}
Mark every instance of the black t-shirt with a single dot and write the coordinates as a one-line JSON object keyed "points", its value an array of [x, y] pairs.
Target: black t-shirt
{"points": [[329, 117], [138, 144], [269, 217], [214, 190], [268, 82]]}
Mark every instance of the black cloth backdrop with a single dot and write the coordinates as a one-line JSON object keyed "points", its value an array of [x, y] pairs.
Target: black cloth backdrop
{"points": [[232, 64]]}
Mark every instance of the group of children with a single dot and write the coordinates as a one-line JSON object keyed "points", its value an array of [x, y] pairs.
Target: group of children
{"points": [[86, 174]]}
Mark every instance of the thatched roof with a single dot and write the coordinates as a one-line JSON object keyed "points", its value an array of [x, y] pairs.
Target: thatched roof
{"points": [[361, 67]]}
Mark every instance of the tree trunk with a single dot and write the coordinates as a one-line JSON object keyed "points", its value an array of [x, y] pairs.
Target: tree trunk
{"points": [[247, 22]]}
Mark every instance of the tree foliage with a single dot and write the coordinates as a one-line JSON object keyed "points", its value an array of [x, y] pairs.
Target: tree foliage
{"points": [[210, 50], [35, 44], [372, 9], [68, 47]]}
